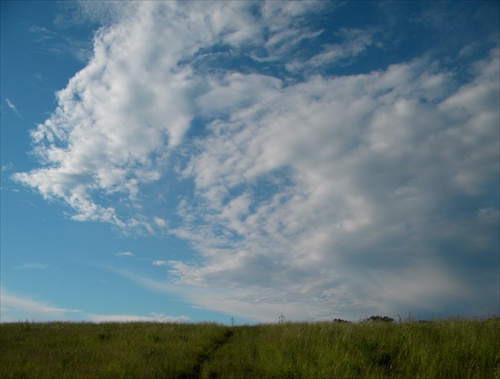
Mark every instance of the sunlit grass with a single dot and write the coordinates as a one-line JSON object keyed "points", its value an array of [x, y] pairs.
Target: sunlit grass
{"points": [[442, 349], [439, 349], [112, 350]]}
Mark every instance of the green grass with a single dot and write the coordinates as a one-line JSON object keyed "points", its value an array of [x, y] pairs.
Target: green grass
{"points": [[447, 349], [440, 349], [112, 350]]}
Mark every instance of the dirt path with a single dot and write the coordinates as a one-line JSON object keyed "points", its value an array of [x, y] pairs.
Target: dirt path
{"points": [[206, 355]]}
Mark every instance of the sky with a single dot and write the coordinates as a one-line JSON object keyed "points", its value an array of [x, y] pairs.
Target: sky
{"points": [[202, 161]]}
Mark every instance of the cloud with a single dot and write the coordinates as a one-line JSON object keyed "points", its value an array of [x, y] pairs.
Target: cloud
{"points": [[32, 266], [124, 254], [354, 43], [160, 263], [365, 173], [144, 281], [320, 193], [15, 308], [61, 44], [119, 119], [161, 223], [155, 317], [11, 105], [7, 167]]}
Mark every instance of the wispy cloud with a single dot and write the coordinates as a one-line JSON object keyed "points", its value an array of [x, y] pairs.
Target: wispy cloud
{"points": [[155, 317], [32, 266], [7, 167], [325, 194], [60, 44], [124, 254], [160, 263], [161, 223], [354, 43], [114, 159], [15, 307], [11, 106], [144, 281]]}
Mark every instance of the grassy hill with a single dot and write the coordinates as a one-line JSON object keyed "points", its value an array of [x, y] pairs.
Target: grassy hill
{"points": [[440, 349]]}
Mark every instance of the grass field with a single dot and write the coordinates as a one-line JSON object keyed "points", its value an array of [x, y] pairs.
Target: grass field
{"points": [[439, 349]]}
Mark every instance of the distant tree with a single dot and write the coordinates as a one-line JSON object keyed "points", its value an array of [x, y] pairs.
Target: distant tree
{"points": [[379, 319], [341, 321]]}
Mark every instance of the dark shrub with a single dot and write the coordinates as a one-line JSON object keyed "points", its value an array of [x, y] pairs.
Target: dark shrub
{"points": [[379, 319]]}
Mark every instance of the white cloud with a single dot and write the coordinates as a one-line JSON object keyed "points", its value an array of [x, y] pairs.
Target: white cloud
{"points": [[321, 195], [146, 282], [373, 161], [160, 263], [355, 42], [11, 105], [60, 43], [7, 167], [15, 308], [161, 223], [124, 254], [32, 266], [155, 317], [119, 118]]}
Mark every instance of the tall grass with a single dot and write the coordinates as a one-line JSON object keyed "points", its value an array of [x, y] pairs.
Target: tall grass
{"points": [[112, 350], [446, 349], [441, 349]]}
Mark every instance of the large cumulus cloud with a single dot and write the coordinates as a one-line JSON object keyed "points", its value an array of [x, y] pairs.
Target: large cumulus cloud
{"points": [[324, 194]]}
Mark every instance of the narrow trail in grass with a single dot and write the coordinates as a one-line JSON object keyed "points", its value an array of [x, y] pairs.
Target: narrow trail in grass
{"points": [[207, 355]]}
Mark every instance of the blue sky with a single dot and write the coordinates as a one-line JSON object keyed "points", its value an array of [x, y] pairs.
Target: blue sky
{"points": [[199, 161]]}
